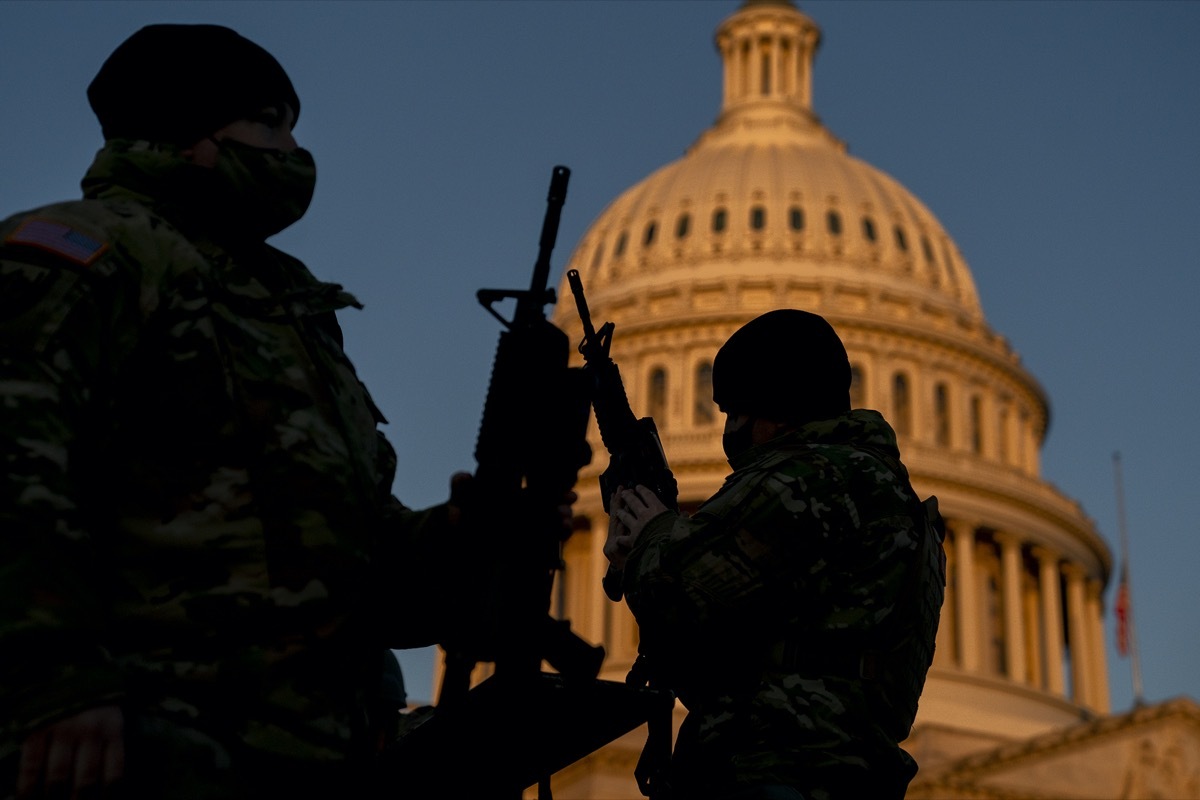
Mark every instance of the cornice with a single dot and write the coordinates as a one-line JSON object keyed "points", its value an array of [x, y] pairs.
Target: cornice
{"points": [[968, 770], [1036, 497]]}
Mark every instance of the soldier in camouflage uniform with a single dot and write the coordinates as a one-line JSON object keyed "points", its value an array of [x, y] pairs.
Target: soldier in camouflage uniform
{"points": [[794, 613], [197, 529]]}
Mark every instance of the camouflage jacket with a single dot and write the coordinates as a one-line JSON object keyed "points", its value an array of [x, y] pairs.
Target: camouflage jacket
{"points": [[803, 551], [196, 515]]}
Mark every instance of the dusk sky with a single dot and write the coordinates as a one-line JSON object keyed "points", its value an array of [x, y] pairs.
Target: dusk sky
{"points": [[1057, 142]]}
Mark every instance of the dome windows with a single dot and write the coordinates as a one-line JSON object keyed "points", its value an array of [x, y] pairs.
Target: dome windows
{"points": [[656, 400], [648, 237], [833, 220], [758, 218], [868, 228], [720, 220], [858, 387], [901, 405], [796, 218], [619, 250], [682, 225], [598, 256], [901, 240], [703, 409], [941, 414], [976, 425]]}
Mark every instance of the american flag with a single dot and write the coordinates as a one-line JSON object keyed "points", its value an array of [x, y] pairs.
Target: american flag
{"points": [[1121, 610], [57, 238]]}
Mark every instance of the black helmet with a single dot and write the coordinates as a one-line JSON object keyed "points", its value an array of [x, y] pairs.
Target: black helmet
{"points": [[786, 365]]}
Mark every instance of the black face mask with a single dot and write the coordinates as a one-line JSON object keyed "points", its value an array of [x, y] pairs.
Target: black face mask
{"points": [[738, 440]]}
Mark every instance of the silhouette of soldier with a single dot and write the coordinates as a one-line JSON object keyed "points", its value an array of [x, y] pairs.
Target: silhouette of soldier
{"points": [[197, 526], [794, 613]]}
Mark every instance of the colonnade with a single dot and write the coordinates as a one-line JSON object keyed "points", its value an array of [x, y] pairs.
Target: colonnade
{"points": [[772, 61], [1016, 609]]}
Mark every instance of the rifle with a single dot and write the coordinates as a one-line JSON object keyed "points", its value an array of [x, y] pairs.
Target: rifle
{"points": [[530, 446], [521, 724], [636, 457], [635, 451]]}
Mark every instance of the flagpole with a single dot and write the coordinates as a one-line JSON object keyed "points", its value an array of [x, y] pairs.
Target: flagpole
{"points": [[1134, 660]]}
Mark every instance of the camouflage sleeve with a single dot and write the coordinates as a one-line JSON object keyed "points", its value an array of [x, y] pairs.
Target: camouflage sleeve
{"points": [[53, 334], [693, 575], [817, 543]]}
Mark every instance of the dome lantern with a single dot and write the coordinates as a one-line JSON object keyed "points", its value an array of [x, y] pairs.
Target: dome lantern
{"points": [[767, 49]]}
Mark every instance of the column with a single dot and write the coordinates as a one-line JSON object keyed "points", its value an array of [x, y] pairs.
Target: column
{"points": [[791, 74], [1034, 652], [1031, 448], [1079, 633], [1014, 634], [757, 51], [591, 605], [727, 65], [808, 46], [1052, 623], [944, 654], [740, 56], [1098, 661], [967, 613]]}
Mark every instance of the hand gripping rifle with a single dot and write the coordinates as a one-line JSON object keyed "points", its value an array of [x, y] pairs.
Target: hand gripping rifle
{"points": [[635, 451]]}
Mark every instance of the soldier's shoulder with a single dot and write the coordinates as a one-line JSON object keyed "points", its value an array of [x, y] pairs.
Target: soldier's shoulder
{"points": [[73, 233], [101, 236]]}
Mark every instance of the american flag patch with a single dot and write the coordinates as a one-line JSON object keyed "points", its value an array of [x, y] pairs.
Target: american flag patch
{"points": [[57, 238]]}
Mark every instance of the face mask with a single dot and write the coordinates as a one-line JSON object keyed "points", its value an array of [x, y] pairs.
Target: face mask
{"points": [[736, 441], [257, 192]]}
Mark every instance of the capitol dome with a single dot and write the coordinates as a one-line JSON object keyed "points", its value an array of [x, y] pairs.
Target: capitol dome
{"points": [[769, 181], [765, 210]]}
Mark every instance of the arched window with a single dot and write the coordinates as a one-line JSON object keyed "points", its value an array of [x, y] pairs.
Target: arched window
{"points": [[868, 229], [598, 256], [703, 410], [858, 389], [976, 424], [901, 241], [834, 221], [656, 398], [719, 220], [796, 218], [682, 224], [1002, 438], [651, 229], [901, 405], [620, 248], [941, 413], [758, 218]]}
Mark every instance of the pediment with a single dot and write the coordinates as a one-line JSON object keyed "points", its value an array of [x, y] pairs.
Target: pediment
{"points": [[1149, 753]]}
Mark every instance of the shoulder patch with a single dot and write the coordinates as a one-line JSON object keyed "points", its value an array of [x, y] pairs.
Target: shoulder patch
{"points": [[57, 238]]}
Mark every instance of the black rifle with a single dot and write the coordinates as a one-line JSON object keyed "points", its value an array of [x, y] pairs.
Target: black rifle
{"points": [[521, 724], [531, 444], [635, 450], [636, 458]]}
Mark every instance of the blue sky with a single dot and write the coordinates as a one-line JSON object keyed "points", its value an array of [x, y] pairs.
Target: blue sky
{"points": [[1056, 142]]}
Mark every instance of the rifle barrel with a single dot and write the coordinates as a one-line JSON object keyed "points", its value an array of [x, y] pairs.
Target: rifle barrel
{"points": [[554, 203]]}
